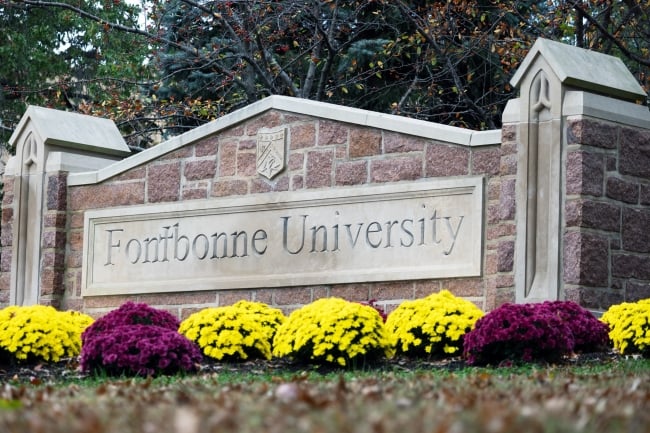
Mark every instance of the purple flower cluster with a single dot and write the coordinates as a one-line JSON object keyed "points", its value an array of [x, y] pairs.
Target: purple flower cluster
{"points": [[137, 339], [143, 350], [515, 332], [534, 332], [131, 313], [589, 333]]}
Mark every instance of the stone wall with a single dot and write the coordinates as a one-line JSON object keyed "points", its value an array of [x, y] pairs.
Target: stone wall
{"points": [[53, 240], [501, 228], [321, 154], [607, 238], [6, 238]]}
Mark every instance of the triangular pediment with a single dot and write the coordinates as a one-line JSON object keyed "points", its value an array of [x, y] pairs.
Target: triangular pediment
{"points": [[303, 107]]}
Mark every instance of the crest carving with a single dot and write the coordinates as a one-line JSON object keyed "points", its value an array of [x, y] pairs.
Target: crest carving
{"points": [[271, 152]]}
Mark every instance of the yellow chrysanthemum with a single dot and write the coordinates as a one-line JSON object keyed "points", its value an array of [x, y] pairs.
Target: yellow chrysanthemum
{"points": [[234, 333], [629, 326], [432, 326], [41, 333], [334, 331]]}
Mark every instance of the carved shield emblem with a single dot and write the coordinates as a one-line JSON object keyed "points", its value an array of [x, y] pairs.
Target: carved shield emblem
{"points": [[271, 152]]}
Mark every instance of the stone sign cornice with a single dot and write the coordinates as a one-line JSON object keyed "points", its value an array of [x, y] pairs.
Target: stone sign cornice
{"points": [[577, 103], [322, 110], [581, 103]]}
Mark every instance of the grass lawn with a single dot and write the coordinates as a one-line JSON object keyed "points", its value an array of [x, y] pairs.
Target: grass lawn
{"points": [[609, 396]]}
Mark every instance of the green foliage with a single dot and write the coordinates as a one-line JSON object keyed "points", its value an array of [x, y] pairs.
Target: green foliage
{"points": [[66, 60], [333, 331], [629, 327], [433, 326], [448, 62], [40, 333], [239, 332]]}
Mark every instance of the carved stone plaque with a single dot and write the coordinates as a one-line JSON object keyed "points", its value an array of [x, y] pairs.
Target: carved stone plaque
{"points": [[271, 145], [404, 231]]}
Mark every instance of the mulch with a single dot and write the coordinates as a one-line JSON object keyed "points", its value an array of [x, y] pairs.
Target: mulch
{"points": [[69, 369]]}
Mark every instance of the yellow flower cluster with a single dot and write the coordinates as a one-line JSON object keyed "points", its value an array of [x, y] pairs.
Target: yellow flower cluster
{"points": [[432, 326], [629, 326], [41, 332], [333, 331], [234, 333]]}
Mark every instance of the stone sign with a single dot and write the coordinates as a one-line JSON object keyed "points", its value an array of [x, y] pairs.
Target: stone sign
{"points": [[289, 200], [426, 229]]}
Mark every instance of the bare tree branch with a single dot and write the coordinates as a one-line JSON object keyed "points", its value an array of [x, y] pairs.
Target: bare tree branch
{"points": [[451, 68], [626, 52]]}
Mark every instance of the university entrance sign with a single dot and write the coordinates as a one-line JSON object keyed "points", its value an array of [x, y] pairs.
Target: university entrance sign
{"points": [[426, 229]]}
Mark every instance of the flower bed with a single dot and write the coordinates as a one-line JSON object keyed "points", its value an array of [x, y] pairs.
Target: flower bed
{"points": [[518, 332], [139, 340], [143, 350], [547, 331], [629, 325]]}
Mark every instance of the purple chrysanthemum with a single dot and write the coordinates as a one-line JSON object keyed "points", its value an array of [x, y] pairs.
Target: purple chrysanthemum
{"points": [[589, 333], [131, 313], [518, 332], [139, 349]]}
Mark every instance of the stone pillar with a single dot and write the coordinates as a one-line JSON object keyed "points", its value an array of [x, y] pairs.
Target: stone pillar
{"points": [[539, 188], [29, 174], [49, 144], [549, 73], [607, 214]]}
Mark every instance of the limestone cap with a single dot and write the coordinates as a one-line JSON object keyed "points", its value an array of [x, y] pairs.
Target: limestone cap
{"points": [[584, 69], [73, 130]]}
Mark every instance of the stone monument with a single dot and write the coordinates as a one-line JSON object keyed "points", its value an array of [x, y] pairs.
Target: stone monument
{"points": [[289, 200]]}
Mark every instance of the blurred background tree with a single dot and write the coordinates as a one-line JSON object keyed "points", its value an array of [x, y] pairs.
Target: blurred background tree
{"points": [[158, 68], [54, 57]]}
